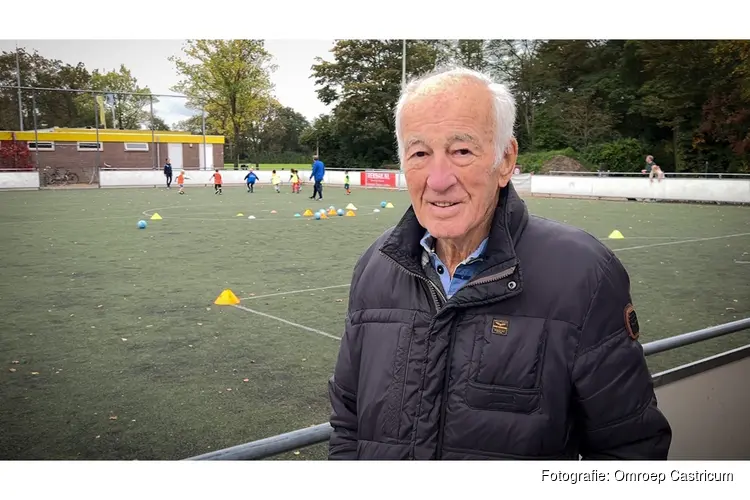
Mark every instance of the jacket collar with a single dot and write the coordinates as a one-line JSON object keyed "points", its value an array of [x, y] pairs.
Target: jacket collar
{"points": [[510, 217]]}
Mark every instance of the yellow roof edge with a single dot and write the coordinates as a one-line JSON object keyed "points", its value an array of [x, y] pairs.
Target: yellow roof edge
{"points": [[112, 136]]}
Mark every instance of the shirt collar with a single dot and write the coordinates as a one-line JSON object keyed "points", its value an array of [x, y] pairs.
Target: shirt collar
{"points": [[428, 243]]}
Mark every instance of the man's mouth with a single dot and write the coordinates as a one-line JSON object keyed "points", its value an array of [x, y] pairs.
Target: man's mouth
{"points": [[443, 204]]}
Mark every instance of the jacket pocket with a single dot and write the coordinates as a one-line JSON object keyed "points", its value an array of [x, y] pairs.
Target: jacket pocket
{"points": [[495, 397], [506, 364]]}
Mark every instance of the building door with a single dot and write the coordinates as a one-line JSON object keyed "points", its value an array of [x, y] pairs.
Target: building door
{"points": [[209, 157], [175, 155]]}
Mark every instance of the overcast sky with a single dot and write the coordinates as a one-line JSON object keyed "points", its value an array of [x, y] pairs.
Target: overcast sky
{"points": [[148, 62]]}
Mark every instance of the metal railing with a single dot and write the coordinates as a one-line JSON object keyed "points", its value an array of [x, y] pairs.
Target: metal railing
{"points": [[604, 173], [301, 438]]}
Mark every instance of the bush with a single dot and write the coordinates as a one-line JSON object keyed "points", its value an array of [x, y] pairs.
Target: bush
{"points": [[623, 155], [532, 162]]}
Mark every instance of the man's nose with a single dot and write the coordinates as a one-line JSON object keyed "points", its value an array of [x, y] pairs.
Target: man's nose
{"points": [[440, 176]]}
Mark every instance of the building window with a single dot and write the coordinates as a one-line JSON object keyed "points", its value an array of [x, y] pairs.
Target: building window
{"points": [[90, 146], [41, 146], [136, 146]]}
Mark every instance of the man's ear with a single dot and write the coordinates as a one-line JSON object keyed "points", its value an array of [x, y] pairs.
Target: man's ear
{"points": [[508, 164]]}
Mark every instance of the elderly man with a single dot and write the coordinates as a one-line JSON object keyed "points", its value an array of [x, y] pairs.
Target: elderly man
{"points": [[478, 331]]}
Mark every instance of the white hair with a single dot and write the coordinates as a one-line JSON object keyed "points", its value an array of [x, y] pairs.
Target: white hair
{"points": [[503, 103]]}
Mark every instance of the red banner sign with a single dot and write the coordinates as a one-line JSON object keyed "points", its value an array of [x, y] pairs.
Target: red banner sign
{"points": [[378, 179]]}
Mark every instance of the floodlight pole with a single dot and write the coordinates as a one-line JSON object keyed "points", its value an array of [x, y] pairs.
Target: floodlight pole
{"points": [[403, 66], [96, 126], [153, 139], [36, 131], [203, 131], [403, 88], [18, 79]]}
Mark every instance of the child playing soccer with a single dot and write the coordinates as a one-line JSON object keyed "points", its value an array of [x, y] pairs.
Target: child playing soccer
{"points": [[276, 181], [346, 182], [294, 179], [250, 178], [181, 181], [217, 182]]}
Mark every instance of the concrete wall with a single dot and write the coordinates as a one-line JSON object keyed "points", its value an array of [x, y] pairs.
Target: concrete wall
{"points": [[130, 178], [19, 180], [704, 190], [709, 412], [716, 190]]}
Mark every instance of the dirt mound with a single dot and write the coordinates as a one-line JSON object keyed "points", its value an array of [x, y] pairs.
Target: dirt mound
{"points": [[562, 164]]}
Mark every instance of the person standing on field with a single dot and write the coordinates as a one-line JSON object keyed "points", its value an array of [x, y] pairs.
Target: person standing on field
{"points": [[168, 172], [318, 171]]}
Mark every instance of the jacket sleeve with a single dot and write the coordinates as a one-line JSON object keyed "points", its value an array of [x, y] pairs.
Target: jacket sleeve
{"points": [[617, 413]]}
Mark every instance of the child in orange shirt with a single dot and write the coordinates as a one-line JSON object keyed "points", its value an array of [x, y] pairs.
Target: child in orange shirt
{"points": [[181, 181], [217, 182]]}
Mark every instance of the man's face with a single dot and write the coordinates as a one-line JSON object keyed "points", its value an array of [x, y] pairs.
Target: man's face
{"points": [[449, 140]]}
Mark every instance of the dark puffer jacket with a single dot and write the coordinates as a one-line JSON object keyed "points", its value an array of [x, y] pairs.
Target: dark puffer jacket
{"points": [[532, 359]]}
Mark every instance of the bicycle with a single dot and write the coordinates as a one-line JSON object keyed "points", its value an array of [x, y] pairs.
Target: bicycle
{"points": [[58, 176]]}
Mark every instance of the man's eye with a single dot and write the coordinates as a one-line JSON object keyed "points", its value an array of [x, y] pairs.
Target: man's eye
{"points": [[419, 154], [463, 152]]}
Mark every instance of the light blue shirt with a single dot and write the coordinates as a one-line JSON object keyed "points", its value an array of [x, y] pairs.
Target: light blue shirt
{"points": [[465, 270]]}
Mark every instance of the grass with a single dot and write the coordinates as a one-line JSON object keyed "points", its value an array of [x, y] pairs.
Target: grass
{"points": [[120, 322], [272, 166]]}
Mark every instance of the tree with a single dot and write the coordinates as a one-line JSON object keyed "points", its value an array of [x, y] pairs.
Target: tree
{"points": [[159, 123], [470, 54], [132, 112], [194, 125], [515, 62], [53, 108], [726, 112], [230, 79], [363, 82]]}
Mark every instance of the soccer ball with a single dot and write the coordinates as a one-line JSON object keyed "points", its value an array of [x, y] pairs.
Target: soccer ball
{"points": [[317, 215], [383, 204], [141, 224], [340, 212]]}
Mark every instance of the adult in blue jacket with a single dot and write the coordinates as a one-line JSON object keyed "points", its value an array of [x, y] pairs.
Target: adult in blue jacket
{"points": [[318, 171]]}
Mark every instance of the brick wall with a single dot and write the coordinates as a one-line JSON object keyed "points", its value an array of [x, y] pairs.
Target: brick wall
{"points": [[83, 163]]}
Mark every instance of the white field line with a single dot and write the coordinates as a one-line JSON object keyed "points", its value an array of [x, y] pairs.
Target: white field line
{"points": [[297, 325], [696, 240], [293, 291]]}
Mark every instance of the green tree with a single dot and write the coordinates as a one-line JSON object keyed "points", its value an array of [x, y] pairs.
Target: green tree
{"points": [[53, 108], [363, 82], [132, 112], [514, 62], [231, 80]]}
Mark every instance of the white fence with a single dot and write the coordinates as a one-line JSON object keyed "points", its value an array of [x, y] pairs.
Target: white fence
{"points": [[19, 180], [732, 190], [710, 190]]}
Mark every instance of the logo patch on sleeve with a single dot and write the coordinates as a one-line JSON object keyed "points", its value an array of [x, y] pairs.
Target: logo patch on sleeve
{"points": [[500, 326], [631, 322]]}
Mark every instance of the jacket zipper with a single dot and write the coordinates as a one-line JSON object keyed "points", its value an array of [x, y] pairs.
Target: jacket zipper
{"points": [[434, 292], [494, 277], [446, 385]]}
